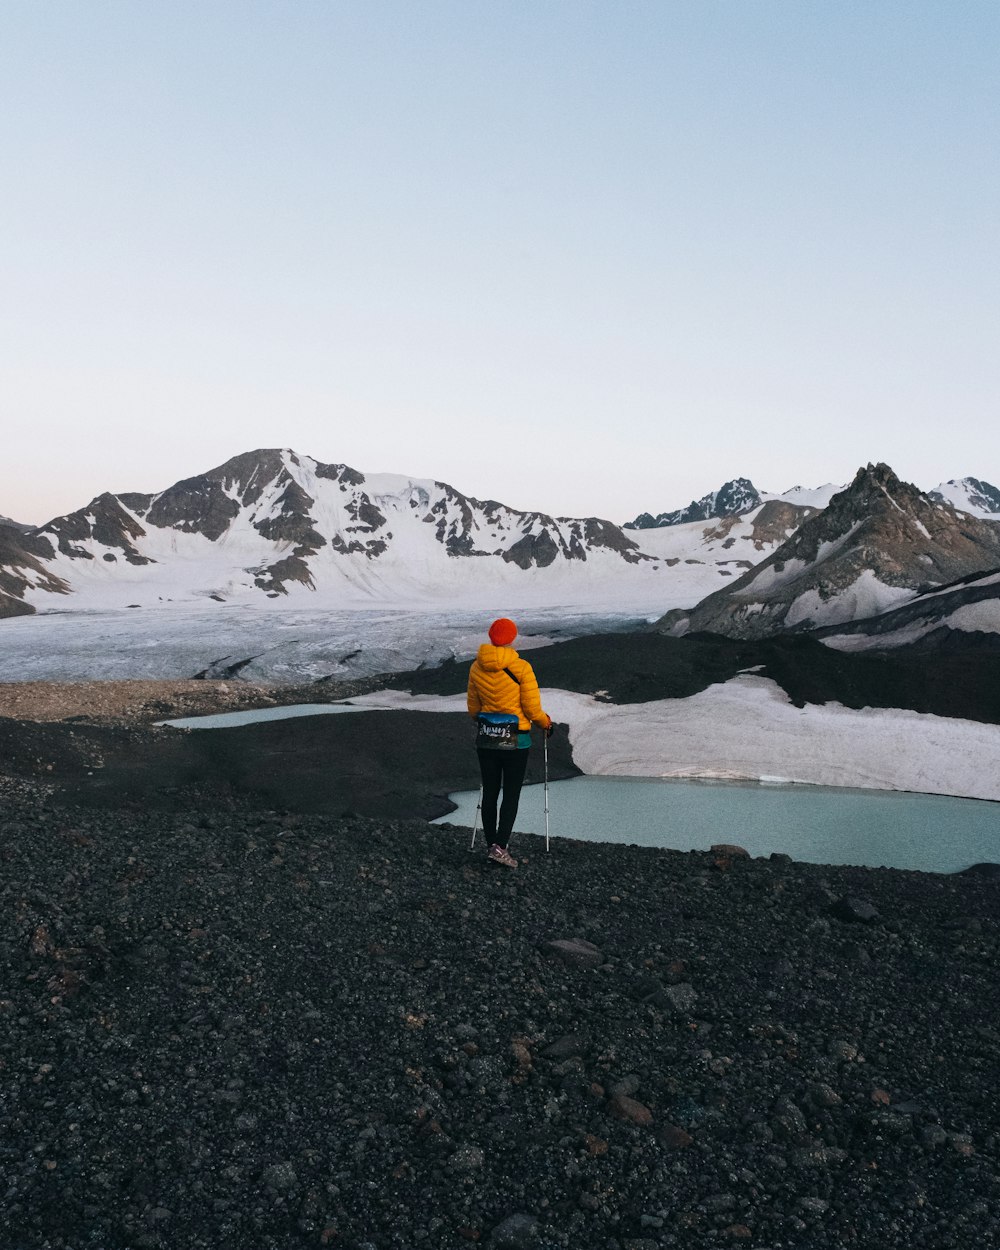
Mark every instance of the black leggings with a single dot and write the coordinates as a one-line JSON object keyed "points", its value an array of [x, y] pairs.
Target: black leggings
{"points": [[498, 768]]}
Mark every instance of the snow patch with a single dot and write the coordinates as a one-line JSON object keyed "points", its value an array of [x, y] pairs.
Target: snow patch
{"points": [[747, 728], [983, 616], [865, 596]]}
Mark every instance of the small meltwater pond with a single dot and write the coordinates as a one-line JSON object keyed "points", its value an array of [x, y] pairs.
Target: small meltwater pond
{"points": [[230, 720], [818, 824]]}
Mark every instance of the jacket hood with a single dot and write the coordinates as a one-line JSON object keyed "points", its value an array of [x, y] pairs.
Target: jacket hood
{"points": [[493, 659]]}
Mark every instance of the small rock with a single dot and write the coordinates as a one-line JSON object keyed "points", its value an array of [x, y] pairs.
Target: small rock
{"points": [[565, 1046], [280, 1177], [854, 910], [818, 1156], [730, 850], [715, 1203], [814, 1206], [682, 997], [522, 1055], [888, 1124], [515, 1232], [786, 1118], [842, 1050], [575, 951], [674, 1138], [624, 1108], [961, 1143], [627, 1086], [822, 1095], [933, 1135], [467, 1159], [675, 971]]}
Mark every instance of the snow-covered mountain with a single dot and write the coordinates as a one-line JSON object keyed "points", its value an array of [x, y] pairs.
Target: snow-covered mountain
{"points": [[809, 496], [876, 544], [969, 494], [735, 498], [273, 524]]}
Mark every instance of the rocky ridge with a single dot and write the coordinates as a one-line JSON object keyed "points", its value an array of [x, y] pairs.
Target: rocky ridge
{"points": [[732, 499], [877, 542], [17, 525], [23, 567]]}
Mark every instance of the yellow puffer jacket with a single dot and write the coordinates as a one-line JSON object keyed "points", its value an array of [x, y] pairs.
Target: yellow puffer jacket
{"points": [[491, 690]]}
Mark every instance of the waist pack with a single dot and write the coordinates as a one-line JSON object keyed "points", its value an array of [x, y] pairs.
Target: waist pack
{"points": [[497, 731]]}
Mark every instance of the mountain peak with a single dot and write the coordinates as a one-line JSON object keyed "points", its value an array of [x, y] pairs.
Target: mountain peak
{"points": [[733, 498], [969, 494]]}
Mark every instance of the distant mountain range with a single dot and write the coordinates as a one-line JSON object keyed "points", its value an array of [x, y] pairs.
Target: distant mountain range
{"points": [[740, 496], [270, 523], [875, 563]]}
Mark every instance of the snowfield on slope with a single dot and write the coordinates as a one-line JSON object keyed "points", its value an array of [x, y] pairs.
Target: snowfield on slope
{"points": [[748, 728]]}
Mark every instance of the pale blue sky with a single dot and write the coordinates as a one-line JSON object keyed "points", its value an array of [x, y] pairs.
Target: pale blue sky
{"points": [[592, 258]]}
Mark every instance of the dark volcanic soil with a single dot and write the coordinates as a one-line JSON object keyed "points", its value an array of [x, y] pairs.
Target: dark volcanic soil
{"points": [[254, 1030], [244, 1002], [394, 764]]}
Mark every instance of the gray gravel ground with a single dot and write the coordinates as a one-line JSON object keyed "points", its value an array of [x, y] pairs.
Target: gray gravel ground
{"points": [[256, 1030]]}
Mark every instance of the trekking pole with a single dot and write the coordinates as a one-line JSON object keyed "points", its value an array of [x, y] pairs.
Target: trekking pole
{"points": [[545, 748], [475, 823]]}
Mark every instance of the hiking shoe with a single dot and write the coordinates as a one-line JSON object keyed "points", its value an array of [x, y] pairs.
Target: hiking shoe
{"points": [[500, 855]]}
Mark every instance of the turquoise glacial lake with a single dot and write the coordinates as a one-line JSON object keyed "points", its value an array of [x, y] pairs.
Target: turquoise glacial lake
{"points": [[817, 824]]}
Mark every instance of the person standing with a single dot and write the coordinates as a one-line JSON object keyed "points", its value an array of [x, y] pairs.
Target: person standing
{"points": [[502, 688]]}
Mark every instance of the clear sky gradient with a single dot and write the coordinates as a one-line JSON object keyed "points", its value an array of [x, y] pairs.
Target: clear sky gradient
{"points": [[590, 258]]}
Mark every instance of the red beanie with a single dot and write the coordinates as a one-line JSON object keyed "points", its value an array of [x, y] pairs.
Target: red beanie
{"points": [[502, 632]]}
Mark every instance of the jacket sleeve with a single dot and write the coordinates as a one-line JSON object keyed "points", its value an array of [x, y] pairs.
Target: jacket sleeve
{"points": [[531, 699], [472, 699]]}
